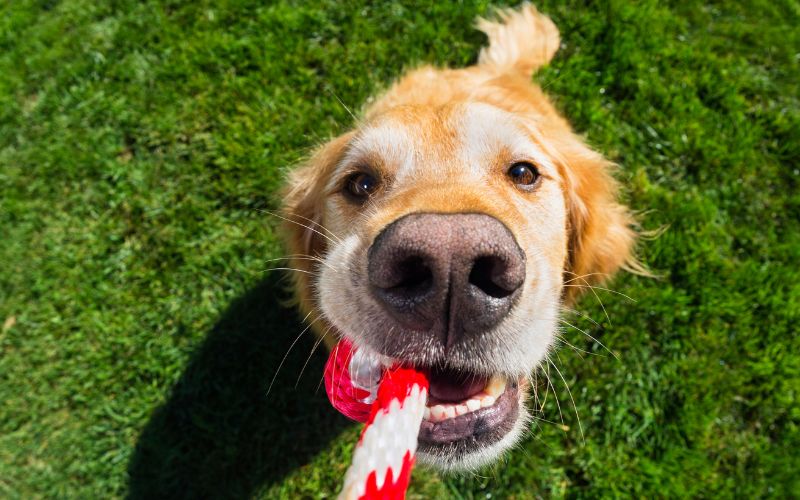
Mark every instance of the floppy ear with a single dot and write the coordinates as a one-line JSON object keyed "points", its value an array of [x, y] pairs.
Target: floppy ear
{"points": [[303, 202], [601, 235]]}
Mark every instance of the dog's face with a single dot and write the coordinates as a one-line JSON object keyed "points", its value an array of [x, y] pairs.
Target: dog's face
{"points": [[441, 235], [453, 242]]}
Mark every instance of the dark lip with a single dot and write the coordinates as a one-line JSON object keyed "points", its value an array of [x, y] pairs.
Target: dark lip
{"points": [[475, 429]]}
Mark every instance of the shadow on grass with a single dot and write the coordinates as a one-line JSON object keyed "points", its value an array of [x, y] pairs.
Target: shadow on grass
{"points": [[219, 435]]}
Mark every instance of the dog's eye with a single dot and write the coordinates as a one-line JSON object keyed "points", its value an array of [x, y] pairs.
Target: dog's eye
{"points": [[360, 185], [523, 174]]}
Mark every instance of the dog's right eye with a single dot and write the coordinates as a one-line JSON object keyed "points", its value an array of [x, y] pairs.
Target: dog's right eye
{"points": [[360, 186], [524, 175]]}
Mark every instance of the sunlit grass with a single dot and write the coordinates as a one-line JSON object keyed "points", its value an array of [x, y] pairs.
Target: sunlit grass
{"points": [[142, 142]]}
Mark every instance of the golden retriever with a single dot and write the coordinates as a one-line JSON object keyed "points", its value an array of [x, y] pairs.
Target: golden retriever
{"points": [[442, 230]]}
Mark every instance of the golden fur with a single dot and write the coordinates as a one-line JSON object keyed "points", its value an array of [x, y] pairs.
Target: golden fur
{"points": [[423, 138]]}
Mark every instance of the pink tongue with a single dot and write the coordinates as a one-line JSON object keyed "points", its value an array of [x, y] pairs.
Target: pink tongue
{"points": [[455, 387]]}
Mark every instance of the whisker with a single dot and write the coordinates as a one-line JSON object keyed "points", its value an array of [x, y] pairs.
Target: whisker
{"points": [[335, 350], [598, 299], [576, 277], [329, 89], [594, 339], [312, 221], [290, 349], [303, 257], [582, 314], [561, 426], [595, 287], [287, 269], [313, 349], [574, 406], [534, 389], [555, 394], [294, 256], [305, 226], [544, 400], [578, 349]]}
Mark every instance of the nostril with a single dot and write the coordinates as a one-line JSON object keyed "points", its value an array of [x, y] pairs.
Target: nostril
{"points": [[485, 273], [404, 283], [414, 276]]}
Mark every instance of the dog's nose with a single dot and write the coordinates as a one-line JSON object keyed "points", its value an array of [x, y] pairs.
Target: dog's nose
{"points": [[454, 275]]}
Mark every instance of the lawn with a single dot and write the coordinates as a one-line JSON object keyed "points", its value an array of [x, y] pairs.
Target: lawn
{"points": [[142, 145]]}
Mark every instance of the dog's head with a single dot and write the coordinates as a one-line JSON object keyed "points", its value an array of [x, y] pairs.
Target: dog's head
{"points": [[441, 234]]}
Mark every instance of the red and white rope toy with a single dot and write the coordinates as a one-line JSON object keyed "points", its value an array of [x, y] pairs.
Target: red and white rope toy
{"points": [[391, 402]]}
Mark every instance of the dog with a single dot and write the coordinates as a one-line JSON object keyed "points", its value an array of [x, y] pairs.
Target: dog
{"points": [[445, 229]]}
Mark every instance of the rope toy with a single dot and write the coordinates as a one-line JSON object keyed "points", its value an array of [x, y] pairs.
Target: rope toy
{"points": [[391, 402]]}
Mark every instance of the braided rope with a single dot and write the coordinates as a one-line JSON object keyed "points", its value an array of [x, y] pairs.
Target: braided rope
{"points": [[391, 403]]}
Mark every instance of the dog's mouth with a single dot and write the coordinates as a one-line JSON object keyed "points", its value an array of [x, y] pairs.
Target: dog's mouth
{"points": [[466, 411]]}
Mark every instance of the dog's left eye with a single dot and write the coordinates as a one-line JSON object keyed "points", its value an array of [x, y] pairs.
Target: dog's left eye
{"points": [[523, 174], [360, 185]]}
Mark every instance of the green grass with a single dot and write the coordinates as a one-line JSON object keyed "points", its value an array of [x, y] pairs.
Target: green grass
{"points": [[140, 143]]}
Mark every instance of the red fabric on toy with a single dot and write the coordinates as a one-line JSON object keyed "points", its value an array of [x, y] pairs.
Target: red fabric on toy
{"points": [[341, 393]]}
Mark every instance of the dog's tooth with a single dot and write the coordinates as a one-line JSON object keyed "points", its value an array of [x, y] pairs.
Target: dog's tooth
{"points": [[473, 404], [438, 413], [462, 410], [487, 401], [496, 386], [450, 411], [426, 414]]}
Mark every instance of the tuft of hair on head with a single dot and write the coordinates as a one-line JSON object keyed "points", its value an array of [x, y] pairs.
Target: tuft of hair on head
{"points": [[520, 40]]}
